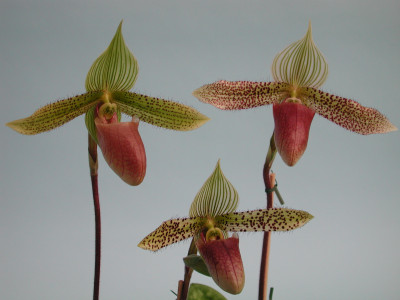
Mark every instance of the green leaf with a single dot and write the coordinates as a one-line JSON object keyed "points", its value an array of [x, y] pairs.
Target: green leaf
{"points": [[301, 63], [56, 114], [216, 197], [116, 69], [197, 263], [273, 219], [159, 112], [202, 292], [171, 231]]}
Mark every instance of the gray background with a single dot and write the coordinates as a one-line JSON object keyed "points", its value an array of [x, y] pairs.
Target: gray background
{"points": [[349, 182]]}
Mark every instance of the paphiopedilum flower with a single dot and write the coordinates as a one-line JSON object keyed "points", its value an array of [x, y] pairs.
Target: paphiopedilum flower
{"points": [[298, 71], [108, 82], [212, 216]]}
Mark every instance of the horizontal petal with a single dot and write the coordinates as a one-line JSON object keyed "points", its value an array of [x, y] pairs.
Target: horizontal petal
{"points": [[55, 114], [273, 219], [159, 112], [170, 232], [115, 69], [347, 113], [231, 95], [216, 197]]}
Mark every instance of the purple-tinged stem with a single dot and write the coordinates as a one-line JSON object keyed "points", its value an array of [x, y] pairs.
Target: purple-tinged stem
{"points": [[262, 288], [183, 285], [93, 165], [269, 182]]}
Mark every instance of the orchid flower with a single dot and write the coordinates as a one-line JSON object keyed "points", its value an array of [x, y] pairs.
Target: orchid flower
{"points": [[298, 71], [108, 82], [212, 215]]}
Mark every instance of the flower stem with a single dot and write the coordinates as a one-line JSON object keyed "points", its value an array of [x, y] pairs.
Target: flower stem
{"points": [[93, 165], [271, 292], [269, 181], [183, 285]]}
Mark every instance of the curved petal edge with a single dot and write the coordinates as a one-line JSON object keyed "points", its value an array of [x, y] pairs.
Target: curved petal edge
{"points": [[347, 113]]}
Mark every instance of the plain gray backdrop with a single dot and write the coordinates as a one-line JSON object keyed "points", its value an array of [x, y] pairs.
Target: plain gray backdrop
{"points": [[349, 182]]}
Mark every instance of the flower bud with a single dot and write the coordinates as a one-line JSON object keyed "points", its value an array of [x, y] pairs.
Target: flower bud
{"points": [[292, 126], [122, 148], [224, 262]]}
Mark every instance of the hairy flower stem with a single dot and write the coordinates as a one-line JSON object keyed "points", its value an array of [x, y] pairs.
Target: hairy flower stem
{"points": [[93, 165], [269, 181], [183, 285]]}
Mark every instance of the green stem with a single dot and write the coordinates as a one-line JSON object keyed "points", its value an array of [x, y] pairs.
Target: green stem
{"points": [[183, 286], [93, 165], [269, 182], [269, 160], [271, 292]]}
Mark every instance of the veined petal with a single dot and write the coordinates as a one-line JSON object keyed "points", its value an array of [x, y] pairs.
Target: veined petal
{"points": [[231, 95], [159, 112], [301, 63], [115, 69], [347, 113], [55, 114], [273, 219], [170, 232], [216, 197]]}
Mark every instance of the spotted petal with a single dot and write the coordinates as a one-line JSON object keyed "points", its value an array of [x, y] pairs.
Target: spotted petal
{"points": [[231, 95], [216, 197], [159, 112], [171, 231], [347, 113], [115, 69], [301, 63], [55, 114], [273, 219]]}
